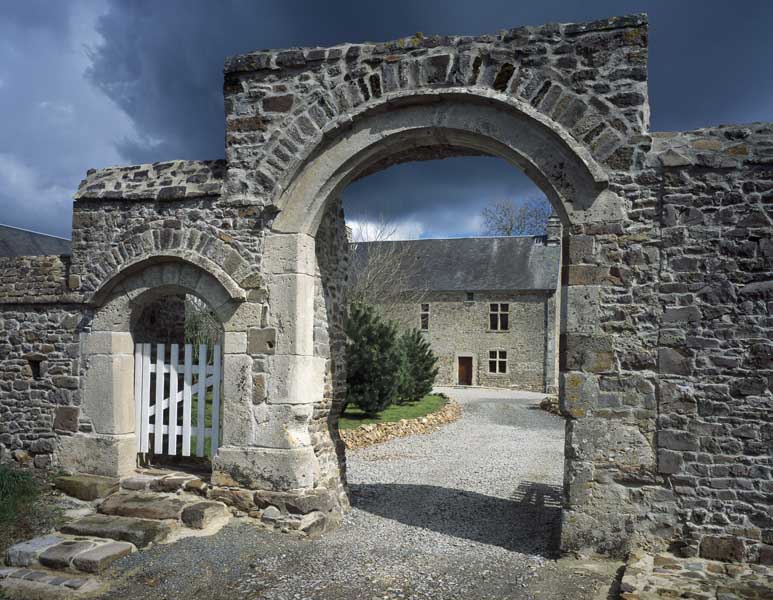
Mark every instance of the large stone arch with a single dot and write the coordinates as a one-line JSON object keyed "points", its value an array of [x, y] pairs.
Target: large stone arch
{"points": [[565, 103], [439, 124]]}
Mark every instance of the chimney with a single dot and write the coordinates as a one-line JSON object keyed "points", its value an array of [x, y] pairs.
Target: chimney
{"points": [[553, 231]]}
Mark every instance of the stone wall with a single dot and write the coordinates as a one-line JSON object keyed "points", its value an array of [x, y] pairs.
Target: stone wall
{"points": [[715, 354], [458, 327], [39, 367]]}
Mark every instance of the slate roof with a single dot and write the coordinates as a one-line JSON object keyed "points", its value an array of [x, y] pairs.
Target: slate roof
{"points": [[474, 264], [22, 242]]}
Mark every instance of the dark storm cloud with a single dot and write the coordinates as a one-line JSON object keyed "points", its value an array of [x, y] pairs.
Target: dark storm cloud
{"points": [[152, 85]]}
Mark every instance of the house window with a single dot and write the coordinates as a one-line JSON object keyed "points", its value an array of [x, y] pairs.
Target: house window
{"points": [[499, 317], [497, 361], [424, 317], [470, 296]]}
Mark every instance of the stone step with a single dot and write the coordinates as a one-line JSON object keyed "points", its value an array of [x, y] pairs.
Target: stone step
{"points": [[161, 481], [67, 553], [87, 487], [20, 582], [139, 532], [143, 505]]}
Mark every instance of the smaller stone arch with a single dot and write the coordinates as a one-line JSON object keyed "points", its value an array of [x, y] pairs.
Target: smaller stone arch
{"points": [[107, 355], [173, 267]]}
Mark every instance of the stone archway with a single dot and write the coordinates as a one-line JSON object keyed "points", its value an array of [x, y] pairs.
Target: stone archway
{"points": [[302, 124], [107, 358]]}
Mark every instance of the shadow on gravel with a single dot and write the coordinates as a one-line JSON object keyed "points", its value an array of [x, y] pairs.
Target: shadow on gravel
{"points": [[529, 522]]}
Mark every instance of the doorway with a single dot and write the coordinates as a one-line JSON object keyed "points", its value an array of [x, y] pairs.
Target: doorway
{"points": [[465, 370]]}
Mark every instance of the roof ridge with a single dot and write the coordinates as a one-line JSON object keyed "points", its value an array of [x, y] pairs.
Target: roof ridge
{"points": [[36, 232]]}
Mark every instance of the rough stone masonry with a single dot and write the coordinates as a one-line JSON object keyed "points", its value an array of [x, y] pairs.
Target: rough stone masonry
{"points": [[667, 287]]}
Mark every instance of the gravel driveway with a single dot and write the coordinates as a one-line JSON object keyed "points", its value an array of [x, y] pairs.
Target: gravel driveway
{"points": [[469, 511]]}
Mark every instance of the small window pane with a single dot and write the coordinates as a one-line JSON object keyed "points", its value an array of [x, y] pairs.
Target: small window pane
{"points": [[503, 366], [495, 308], [425, 321], [470, 296], [503, 354], [492, 354], [504, 307], [492, 366], [504, 323], [425, 308], [493, 321]]}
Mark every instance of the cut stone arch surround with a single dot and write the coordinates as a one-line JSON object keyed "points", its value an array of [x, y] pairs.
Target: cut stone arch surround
{"points": [[569, 176], [107, 365]]}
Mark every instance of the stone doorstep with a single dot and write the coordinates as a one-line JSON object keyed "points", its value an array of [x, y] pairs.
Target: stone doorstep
{"points": [[140, 532], [30, 583]]}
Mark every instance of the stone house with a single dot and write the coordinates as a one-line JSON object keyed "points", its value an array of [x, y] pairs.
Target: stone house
{"points": [[488, 306]]}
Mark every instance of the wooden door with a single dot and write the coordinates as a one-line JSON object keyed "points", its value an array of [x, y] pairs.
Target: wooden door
{"points": [[465, 370]]}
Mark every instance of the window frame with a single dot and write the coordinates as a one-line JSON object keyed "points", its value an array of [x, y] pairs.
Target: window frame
{"points": [[497, 315], [498, 358], [424, 314]]}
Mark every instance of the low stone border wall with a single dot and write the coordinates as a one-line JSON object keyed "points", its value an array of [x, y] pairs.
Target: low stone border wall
{"points": [[368, 435]]}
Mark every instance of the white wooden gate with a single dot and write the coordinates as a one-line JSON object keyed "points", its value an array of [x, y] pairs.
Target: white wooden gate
{"points": [[172, 402]]}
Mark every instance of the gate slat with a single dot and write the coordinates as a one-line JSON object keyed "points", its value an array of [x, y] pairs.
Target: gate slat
{"points": [[202, 400], [216, 401], [187, 380], [138, 394], [173, 363], [145, 409], [158, 437]]}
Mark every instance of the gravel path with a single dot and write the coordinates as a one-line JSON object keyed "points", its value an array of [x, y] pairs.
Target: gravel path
{"points": [[469, 511]]}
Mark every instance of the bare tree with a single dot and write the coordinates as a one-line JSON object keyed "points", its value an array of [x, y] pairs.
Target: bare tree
{"points": [[528, 217], [384, 273]]}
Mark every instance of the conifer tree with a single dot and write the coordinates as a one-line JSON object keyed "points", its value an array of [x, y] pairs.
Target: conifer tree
{"points": [[419, 365], [373, 360]]}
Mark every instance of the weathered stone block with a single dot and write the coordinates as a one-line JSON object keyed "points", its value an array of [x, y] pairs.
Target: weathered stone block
{"points": [[100, 558], [87, 487], [24, 554], [109, 455], [60, 556], [139, 532], [678, 440], [261, 341], [66, 418], [673, 362], [108, 393], [722, 548], [204, 514], [266, 468], [142, 506]]}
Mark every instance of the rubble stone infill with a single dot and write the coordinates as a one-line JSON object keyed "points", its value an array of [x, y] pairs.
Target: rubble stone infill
{"points": [[368, 435], [648, 577]]}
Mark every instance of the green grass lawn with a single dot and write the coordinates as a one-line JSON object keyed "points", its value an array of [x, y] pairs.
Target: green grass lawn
{"points": [[354, 417]]}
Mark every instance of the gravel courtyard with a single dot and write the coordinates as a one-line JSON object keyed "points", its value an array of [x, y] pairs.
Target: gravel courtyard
{"points": [[470, 511]]}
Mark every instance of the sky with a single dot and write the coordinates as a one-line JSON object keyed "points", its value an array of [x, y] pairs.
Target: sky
{"points": [[93, 83]]}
